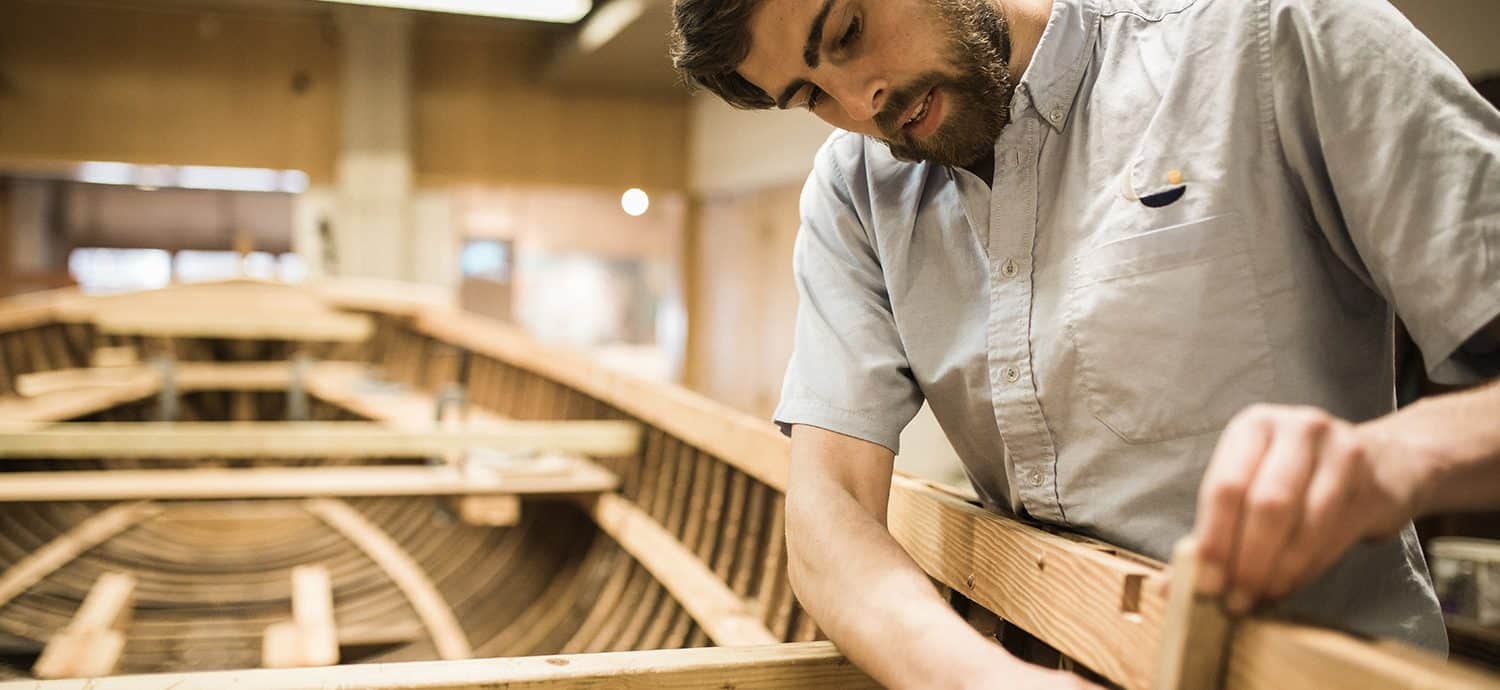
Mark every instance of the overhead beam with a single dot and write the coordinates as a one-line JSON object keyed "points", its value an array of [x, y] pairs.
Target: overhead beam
{"points": [[432, 609], [801, 666], [308, 439], [91, 644], [578, 477], [727, 619], [91, 532]]}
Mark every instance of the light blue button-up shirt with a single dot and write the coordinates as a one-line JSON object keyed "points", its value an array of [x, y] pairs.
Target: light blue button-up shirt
{"points": [[1198, 205]]}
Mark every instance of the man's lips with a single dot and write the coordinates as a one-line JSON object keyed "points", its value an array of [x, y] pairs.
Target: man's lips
{"points": [[923, 122], [918, 110]]}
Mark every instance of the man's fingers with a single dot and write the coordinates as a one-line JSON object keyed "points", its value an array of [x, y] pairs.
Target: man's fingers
{"points": [[1273, 504], [1221, 496], [1323, 530]]}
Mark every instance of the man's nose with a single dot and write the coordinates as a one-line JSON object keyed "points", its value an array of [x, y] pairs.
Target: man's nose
{"points": [[862, 96]]}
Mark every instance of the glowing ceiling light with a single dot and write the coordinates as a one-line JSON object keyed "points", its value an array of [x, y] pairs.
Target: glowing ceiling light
{"points": [[557, 11], [635, 202]]}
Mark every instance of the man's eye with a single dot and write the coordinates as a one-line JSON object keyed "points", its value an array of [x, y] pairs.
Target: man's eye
{"points": [[851, 34], [814, 96]]}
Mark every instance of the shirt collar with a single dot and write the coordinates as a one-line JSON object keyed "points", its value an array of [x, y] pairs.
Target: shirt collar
{"points": [[1057, 66]]}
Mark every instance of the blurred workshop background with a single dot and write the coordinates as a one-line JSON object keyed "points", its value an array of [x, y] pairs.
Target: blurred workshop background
{"points": [[546, 168]]}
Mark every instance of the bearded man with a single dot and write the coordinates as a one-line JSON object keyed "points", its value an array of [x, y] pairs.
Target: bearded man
{"points": [[1144, 259]]}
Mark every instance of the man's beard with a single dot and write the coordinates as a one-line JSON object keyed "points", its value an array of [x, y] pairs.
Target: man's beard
{"points": [[977, 93]]}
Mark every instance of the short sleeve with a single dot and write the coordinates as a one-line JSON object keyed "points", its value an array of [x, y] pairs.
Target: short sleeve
{"points": [[848, 372], [1400, 159]]}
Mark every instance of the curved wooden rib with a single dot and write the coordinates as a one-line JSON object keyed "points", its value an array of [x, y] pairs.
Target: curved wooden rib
{"points": [[425, 599], [724, 616], [60, 551], [807, 666]]}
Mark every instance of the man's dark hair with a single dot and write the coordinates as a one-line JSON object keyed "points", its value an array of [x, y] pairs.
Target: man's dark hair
{"points": [[710, 38]]}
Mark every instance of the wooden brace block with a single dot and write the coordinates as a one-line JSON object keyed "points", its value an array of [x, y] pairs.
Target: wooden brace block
{"points": [[114, 356], [1195, 631], [80, 654], [491, 511], [311, 637], [91, 644], [312, 610]]}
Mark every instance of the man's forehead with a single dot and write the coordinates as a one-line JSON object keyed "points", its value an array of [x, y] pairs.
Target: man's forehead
{"points": [[778, 33]]}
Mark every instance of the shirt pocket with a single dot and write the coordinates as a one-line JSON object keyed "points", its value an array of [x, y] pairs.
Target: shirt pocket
{"points": [[1169, 329]]}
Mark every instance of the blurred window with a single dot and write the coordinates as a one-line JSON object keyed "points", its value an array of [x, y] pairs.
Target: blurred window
{"points": [[99, 269], [487, 258]]}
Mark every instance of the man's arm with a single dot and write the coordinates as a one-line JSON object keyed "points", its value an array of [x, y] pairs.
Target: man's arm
{"points": [[1290, 489], [865, 591]]}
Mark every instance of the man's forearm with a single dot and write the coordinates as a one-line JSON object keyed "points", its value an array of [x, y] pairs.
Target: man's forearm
{"points": [[1457, 437], [874, 601]]}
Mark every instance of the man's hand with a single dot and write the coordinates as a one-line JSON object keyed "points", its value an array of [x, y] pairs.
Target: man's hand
{"points": [[1289, 489]]}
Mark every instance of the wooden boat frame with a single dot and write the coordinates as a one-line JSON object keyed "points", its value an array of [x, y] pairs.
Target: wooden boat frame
{"points": [[699, 511]]}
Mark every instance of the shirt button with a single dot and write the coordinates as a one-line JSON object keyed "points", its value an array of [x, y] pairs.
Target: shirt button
{"points": [[1035, 477], [1008, 269], [1015, 160], [1011, 374]]}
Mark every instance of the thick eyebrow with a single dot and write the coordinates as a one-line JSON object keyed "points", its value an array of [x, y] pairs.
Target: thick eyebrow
{"points": [[812, 49], [811, 53]]}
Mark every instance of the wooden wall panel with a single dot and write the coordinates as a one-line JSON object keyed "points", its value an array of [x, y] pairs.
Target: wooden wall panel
{"points": [[168, 84], [744, 298], [213, 84], [480, 118]]}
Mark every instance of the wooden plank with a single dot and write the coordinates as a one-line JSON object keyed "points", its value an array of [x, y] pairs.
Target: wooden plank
{"points": [[803, 666], [68, 404], [70, 393], [447, 635], [580, 477], [91, 644], [307, 439], [41, 383], [1108, 611], [311, 637], [1069, 595], [91, 532], [1195, 632], [728, 619], [217, 321], [1270, 655]]}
